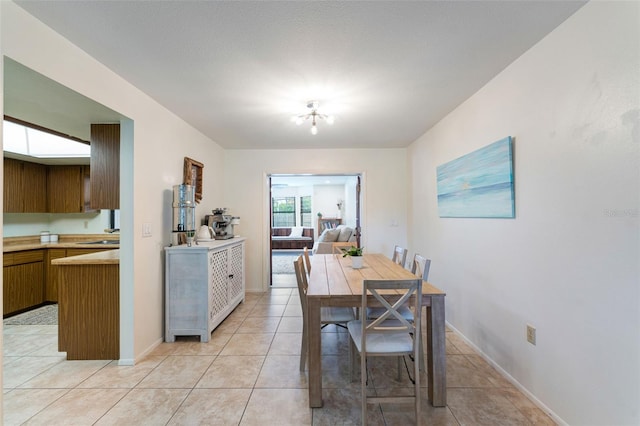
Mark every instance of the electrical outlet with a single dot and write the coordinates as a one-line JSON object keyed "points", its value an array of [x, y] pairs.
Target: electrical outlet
{"points": [[531, 334]]}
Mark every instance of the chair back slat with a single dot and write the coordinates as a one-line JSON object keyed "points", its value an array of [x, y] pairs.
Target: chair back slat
{"points": [[390, 312], [303, 284], [307, 260], [391, 321]]}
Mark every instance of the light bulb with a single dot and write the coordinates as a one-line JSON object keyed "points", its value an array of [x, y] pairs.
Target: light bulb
{"points": [[314, 130], [331, 119]]}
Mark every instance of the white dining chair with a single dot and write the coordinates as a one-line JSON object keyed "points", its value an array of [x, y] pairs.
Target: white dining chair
{"points": [[420, 266], [399, 255], [328, 314], [389, 335]]}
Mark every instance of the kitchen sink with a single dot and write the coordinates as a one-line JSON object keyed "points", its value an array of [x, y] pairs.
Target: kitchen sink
{"points": [[105, 242]]}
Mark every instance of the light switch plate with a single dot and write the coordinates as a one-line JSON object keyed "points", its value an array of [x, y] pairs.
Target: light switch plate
{"points": [[146, 229]]}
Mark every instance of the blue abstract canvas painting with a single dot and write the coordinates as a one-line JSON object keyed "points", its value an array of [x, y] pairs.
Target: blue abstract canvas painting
{"points": [[478, 184]]}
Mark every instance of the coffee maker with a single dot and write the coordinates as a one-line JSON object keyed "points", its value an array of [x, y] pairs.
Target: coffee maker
{"points": [[221, 223]]}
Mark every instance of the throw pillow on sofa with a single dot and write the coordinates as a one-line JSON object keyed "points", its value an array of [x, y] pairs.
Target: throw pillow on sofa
{"points": [[296, 232], [345, 234], [329, 236]]}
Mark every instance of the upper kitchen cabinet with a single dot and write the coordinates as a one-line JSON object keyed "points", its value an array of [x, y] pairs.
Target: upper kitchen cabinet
{"points": [[38, 188], [66, 189], [105, 166], [25, 187]]}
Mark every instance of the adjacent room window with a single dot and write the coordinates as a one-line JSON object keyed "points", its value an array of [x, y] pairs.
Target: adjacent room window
{"points": [[305, 211], [284, 212]]}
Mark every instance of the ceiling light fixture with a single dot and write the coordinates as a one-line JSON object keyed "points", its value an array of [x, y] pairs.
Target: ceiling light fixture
{"points": [[314, 115]]}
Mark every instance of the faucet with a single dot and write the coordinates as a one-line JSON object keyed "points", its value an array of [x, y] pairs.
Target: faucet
{"points": [[111, 231]]}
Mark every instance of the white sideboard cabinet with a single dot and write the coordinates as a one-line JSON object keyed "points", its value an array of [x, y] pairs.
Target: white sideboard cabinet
{"points": [[203, 284]]}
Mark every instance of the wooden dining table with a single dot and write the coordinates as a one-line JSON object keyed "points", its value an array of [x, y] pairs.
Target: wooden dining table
{"points": [[333, 282]]}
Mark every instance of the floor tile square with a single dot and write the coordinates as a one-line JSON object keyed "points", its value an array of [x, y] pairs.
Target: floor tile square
{"points": [[279, 371], [220, 407], [79, 407], [145, 407], [248, 344], [232, 372], [259, 325], [177, 371], [292, 408]]}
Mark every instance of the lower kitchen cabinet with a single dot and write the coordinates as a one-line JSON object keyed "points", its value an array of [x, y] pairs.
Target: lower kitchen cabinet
{"points": [[89, 311], [203, 284], [51, 281], [52, 274], [23, 275]]}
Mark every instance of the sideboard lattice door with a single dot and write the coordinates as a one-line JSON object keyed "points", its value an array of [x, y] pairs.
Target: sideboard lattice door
{"points": [[218, 298], [235, 271]]}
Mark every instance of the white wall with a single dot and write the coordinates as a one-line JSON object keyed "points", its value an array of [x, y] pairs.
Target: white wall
{"points": [[23, 224], [325, 201], [152, 150], [569, 262], [384, 171]]}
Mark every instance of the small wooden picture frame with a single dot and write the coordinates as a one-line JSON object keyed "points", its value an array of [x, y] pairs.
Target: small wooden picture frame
{"points": [[193, 176]]}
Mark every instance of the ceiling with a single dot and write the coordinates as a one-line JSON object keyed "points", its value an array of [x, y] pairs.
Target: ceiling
{"points": [[238, 71], [34, 98]]}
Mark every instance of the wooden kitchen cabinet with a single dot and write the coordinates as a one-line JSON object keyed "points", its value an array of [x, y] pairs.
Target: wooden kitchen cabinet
{"points": [[203, 284], [25, 187], [66, 189], [52, 271], [23, 278], [13, 194], [105, 166], [35, 187], [89, 311]]}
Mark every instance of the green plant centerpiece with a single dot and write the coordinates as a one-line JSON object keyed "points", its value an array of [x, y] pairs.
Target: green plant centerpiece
{"points": [[352, 251], [356, 256]]}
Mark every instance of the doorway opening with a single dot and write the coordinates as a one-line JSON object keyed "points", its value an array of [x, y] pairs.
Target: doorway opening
{"points": [[302, 208]]}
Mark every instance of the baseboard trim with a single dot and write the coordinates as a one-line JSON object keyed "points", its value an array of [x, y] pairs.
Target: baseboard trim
{"points": [[143, 354], [510, 378]]}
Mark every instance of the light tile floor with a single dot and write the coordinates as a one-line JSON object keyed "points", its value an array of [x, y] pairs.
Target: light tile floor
{"points": [[247, 374]]}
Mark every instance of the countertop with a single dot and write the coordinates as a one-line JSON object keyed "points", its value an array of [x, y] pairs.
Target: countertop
{"points": [[107, 257], [11, 244], [206, 244]]}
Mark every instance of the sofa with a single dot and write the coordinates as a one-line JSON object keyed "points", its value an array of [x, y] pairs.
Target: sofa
{"points": [[342, 233], [296, 238]]}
